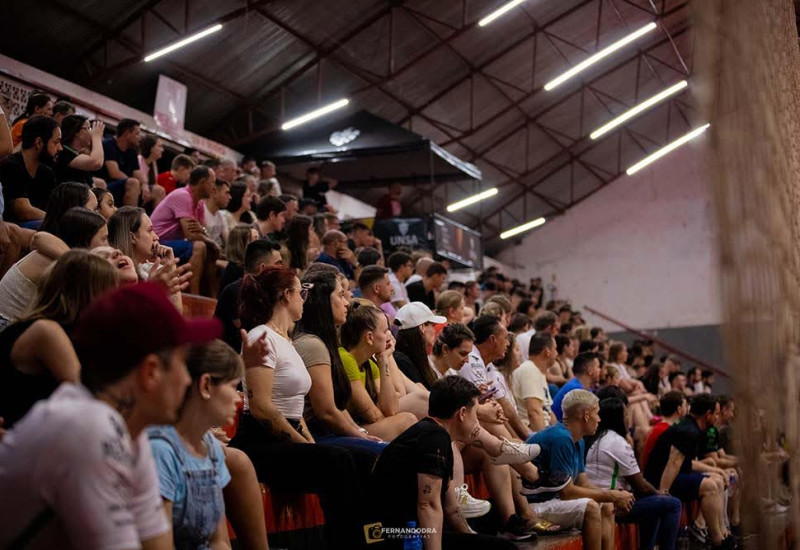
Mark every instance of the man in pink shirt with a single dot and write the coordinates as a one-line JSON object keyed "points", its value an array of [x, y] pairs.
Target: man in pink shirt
{"points": [[178, 222]]}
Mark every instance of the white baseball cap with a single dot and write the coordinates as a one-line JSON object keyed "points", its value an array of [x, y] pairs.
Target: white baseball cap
{"points": [[416, 314]]}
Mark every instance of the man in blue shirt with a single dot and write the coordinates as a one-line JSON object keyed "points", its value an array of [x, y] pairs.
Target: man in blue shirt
{"points": [[580, 504], [586, 369], [336, 253]]}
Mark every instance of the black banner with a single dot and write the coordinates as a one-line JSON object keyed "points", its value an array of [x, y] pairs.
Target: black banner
{"points": [[395, 232]]}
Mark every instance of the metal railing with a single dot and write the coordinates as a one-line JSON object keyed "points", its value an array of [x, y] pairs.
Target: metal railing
{"points": [[669, 347]]}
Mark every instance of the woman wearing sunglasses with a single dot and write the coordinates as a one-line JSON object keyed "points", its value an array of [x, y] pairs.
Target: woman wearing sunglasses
{"points": [[272, 431]]}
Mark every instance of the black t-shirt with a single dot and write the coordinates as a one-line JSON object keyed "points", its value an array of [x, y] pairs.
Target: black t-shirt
{"points": [[19, 391], [232, 272], [18, 184], [687, 437], [407, 367], [127, 160], [726, 440], [424, 448], [64, 172], [316, 192], [711, 441], [227, 311], [417, 293]]}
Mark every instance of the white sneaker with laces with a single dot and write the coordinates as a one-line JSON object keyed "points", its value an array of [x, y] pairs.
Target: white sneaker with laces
{"points": [[471, 507], [516, 453]]}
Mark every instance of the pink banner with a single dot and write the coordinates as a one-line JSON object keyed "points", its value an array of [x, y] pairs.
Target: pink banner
{"points": [[170, 105]]}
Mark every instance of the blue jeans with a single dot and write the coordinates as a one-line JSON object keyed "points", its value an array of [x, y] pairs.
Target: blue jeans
{"points": [[350, 442], [658, 517], [182, 250], [33, 224]]}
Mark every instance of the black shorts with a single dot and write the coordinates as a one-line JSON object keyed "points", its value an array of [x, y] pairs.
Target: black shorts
{"points": [[686, 487]]}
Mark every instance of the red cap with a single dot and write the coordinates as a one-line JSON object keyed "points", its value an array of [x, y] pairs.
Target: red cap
{"points": [[134, 321]]}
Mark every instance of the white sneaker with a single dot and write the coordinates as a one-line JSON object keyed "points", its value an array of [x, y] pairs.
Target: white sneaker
{"points": [[471, 507], [516, 453]]}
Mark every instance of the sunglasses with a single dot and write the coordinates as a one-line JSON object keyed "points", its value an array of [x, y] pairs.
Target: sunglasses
{"points": [[305, 288]]}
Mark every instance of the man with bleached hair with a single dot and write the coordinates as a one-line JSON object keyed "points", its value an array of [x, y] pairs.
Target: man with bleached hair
{"points": [[579, 504]]}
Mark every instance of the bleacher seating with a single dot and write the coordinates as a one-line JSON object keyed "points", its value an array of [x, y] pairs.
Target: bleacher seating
{"points": [[198, 306], [296, 519]]}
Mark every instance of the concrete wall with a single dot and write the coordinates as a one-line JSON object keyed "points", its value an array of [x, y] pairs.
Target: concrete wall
{"points": [[642, 250]]}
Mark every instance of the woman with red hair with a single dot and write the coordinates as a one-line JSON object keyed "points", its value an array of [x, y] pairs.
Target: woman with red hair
{"points": [[272, 431]]}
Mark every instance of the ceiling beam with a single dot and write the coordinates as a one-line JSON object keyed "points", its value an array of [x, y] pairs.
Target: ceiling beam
{"points": [[319, 55], [508, 49], [138, 52], [319, 52], [580, 147], [112, 33]]}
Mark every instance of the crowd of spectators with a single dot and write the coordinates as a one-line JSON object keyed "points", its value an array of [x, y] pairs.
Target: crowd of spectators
{"points": [[377, 381]]}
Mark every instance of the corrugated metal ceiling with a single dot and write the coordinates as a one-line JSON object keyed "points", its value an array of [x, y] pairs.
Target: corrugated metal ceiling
{"points": [[424, 63]]}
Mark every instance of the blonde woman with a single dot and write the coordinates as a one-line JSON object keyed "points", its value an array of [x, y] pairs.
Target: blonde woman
{"points": [[238, 239], [374, 403], [36, 354]]}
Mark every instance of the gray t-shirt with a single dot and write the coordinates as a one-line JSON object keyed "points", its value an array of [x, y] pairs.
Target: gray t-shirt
{"points": [[313, 352]]}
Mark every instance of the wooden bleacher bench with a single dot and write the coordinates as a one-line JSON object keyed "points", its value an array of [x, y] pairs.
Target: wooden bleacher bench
{"points": [[198, 306]]}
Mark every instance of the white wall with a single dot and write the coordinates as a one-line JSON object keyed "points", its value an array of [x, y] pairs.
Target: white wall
{"points": [[642, 250], [349, 207]]}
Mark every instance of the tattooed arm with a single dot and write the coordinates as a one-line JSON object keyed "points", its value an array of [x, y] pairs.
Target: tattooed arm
{"points": [[429, 509]]}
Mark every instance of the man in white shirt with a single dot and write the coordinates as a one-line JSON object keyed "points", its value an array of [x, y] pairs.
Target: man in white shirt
{"points": [[524, 341], [420, 269], [529, 385], [77, 471], [400, 269], [491, 343], [215, 225], [268, 172]]}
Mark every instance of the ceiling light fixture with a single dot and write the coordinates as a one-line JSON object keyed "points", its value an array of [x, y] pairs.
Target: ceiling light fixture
{"points": [[522, 228], [315, 114], [605, 52], [473, 199], [182, 43], [499, 11], [667, 149], [643, 106]]}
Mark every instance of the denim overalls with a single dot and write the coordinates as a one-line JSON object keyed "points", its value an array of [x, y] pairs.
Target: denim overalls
{"points": [[204, 506]]}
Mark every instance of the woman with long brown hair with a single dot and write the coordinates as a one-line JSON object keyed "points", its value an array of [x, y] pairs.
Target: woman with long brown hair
{"points": [[131, 231], [298, 242], [36, 354], [272, 431], [317, 342], [78, 228], [238, 238]]}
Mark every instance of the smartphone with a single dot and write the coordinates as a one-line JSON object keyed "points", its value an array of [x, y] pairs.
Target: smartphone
{"points": [[487, 394]]}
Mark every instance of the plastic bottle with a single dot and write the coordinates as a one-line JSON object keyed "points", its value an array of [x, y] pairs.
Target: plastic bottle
{"points": [[412, 542]]}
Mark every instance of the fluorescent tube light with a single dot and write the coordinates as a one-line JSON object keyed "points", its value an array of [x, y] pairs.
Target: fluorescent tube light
{"points": [[472, 200], [499, 11], [666, 150], [605, 52], [314, 114], [182, 43], [643, 106], [522, 228]]}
